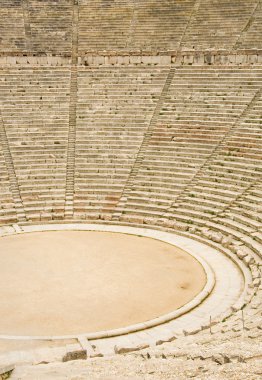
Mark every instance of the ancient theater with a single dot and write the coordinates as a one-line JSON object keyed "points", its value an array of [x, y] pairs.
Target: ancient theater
{"points": [[130, 189]]}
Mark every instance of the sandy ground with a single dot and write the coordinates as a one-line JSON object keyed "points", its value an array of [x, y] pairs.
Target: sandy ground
{"points": [[130, 368], [71, 282]]}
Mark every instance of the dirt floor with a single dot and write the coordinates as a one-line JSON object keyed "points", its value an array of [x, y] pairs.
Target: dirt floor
{"points": [[72, 282]]}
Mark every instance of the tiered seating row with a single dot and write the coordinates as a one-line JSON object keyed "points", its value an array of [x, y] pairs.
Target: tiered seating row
{"points": [[148, 25], [115, 106], [7, 208], [50, 26], [12, 30], [35, 110], [234, 167], [122, 25], [251, 36], [202, 106], [104, 24], [218, 24], [203, 154]]}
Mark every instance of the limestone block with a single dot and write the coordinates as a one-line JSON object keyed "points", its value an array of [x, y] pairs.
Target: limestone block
{"points": [[180, 226], [241, 254], [209, 59], [107, 60], [252, 59], [188, 59], [125, 218], [148, 220], [199, 59], [135, 59], [32, 60], [125, 349], [176, 59], [88, 61], [205, 232], [106, 216], [147, 60], [93, 216], [192, 230], [220, 359], [217, 237], [123, 60], [155, 60], [259, 58], [165, 60], [248, 260], [224, 60], [255, 271], [232, 58], [5, 371], [191, 332], [217, 59], [75, 355], [162, 222], [138, 220], [98, 60], [169, 223], [239, 59], [256, 282], [3, 61], [245, 59], [227, 241], [112, 60], [42, 61], [11, 60]]}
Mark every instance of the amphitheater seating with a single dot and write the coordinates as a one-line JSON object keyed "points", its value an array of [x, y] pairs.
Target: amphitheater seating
{"points": [[104, 24], [250, 38], [201, 169], [191, 169], [50, 25], [7, 209], [12, 31], [218, 24], [36, 26], [129, 25], [160, 25], [234, 166], [35, 103], [107, 115], [167, 25], [123, 25], [243, 217], [115, 106]]}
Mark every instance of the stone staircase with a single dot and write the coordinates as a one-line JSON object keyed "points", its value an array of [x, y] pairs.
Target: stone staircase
{"points": [[210, 28], [249, 37], [28, 34], [190, 138], [115, 107], [13, 183], [143, 147], [70, 166], [35, 105]]}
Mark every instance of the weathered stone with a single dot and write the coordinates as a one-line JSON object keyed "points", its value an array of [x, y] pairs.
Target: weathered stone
{"points": [[125, 350], [75, 355]]}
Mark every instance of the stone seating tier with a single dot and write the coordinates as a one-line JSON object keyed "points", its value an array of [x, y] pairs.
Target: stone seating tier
{"points": [[125, 25]]}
